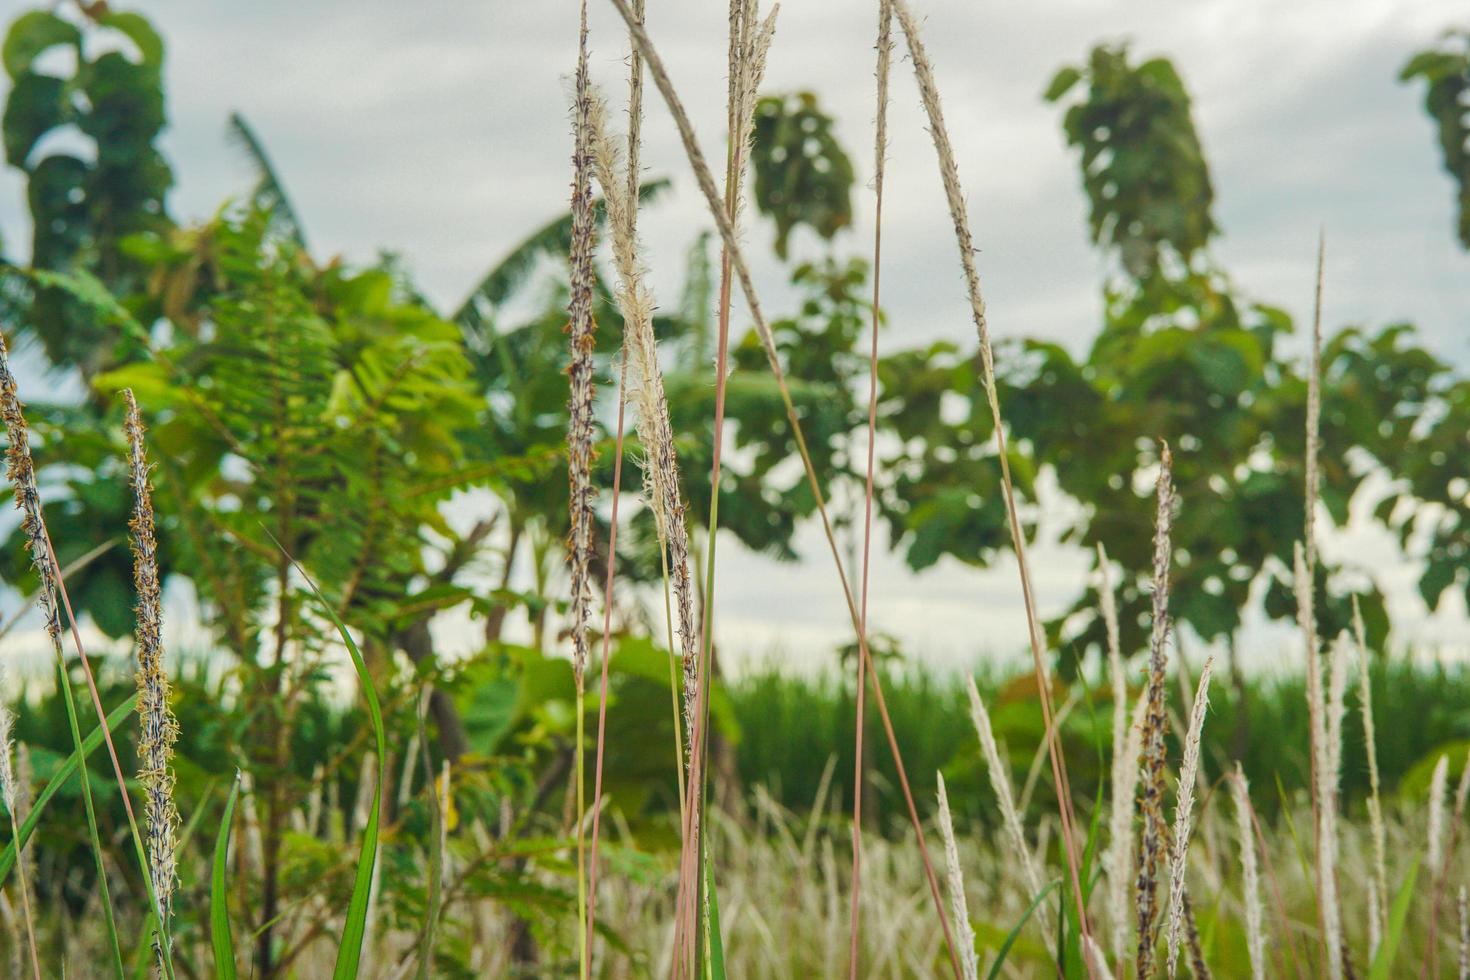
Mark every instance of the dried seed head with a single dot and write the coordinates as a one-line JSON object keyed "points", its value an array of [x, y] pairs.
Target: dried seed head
{"points": [[22, 473], [158, 728], [580, 332], [655, 430], [1375, 805], [1124, 767], [8, 781], [1154, 828]]}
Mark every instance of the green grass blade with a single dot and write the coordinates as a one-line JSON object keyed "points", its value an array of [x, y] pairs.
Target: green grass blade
{"points": [[67, 770], [103, 892], [349, 954], [1072, 964], [220, 936], [1383, 962], [1005, 947], [715, 946]]}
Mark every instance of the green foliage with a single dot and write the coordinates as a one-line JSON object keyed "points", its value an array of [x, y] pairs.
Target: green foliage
{"points": [[84, 205], [269, 194], [1446, 74], [1004, 950], [308, 401], [790, 727], [1142, 164], [802, 174], [349, 953], [55, 784], [945, 494]]}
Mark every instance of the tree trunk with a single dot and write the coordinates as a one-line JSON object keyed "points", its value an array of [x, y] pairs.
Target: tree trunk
{"points": [[418, 643]]}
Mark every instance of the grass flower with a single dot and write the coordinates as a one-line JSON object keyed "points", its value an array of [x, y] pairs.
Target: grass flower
{"points": [[1249, 874], [1155, 722], [158, 730], [956, 881], [1184, 811]]}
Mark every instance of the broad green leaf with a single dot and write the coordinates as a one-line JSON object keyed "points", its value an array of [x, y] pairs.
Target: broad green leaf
{"points": [[30, 35], [140, 32]]}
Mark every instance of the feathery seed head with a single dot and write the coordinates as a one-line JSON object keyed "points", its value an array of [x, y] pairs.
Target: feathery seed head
{"points": [[158, 728], [1155, 721], [1250, 874], [21, 471], [959, 908], [1438, 785], [1184, 811], [580, 332]]}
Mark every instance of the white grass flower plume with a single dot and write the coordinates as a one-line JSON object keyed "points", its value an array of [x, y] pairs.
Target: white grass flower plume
{"points": [[1000, 784], [964, 934], [1124, 773], [1438, 790], [1184, 812], [1249, 874]]}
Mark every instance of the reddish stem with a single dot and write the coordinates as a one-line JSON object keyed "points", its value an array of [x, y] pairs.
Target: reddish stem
{"points": [[612, 552]]}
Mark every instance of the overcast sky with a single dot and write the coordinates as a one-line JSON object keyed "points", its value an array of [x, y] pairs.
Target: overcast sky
{"points": [[439, 130]]}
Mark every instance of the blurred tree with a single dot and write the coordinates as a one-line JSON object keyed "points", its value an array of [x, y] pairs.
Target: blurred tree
{"points": [[1179, 357], [802, 174], [85, 141], [1446, 73], [1142, 165]]}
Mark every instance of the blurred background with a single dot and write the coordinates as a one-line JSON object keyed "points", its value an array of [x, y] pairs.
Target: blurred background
{"points": [[440, 134]]}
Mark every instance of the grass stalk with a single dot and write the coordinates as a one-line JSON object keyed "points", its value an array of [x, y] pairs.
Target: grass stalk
{"points": [[880, 149], [725, 227], [1305, 569], [612, 546], [22, 474], [691, 878], [581, 421], [949, 175], [1464, 946]]}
